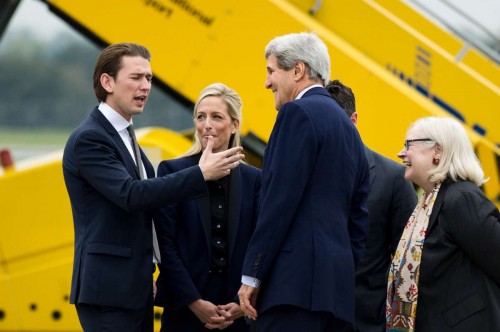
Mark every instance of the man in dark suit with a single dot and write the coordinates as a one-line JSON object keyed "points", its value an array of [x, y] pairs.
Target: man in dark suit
{"points": [[390, 203], [300, 263], [112, 194]]}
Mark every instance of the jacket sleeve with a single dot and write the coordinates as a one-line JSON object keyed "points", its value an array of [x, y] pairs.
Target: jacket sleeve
{"points": [[473, 223], [359, 222], [102, 166], [291, 158]]}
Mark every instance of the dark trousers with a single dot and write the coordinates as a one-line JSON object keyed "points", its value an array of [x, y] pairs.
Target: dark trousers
{"points": [[96, 318], [288, 318], [184, 320]]}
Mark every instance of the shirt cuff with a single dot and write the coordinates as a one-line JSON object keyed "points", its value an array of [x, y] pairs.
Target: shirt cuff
{"points": [[249, 281]]}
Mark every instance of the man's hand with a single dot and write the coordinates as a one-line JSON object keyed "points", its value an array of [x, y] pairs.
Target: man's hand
{"points": [[248, 299], [219, 164]]}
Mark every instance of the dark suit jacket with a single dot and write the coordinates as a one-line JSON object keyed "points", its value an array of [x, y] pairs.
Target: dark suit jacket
{"points": [[390, 204], [184, 234], [313, 222], [111, 213], [459, 287]]}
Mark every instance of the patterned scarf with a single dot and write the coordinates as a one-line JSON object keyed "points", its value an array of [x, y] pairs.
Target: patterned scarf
{"points": [[404, 272]]}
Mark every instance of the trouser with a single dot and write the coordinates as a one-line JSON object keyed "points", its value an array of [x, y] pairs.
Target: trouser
{"points": [[97, 318], [289, 318]]}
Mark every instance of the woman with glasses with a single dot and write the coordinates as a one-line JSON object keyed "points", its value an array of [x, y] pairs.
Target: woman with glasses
{"points": [[445, 274], [203, 241]]}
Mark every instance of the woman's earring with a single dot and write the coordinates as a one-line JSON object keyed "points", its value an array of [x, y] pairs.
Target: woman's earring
{"points": [[435, 160]]}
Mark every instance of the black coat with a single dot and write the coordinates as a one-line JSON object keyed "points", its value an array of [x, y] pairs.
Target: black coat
{"points": [[459, 286], [185, 242]]}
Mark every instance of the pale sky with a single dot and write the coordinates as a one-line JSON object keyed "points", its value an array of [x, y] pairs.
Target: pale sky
{"points": [[483, 12], [34, 15], [486, 12]]}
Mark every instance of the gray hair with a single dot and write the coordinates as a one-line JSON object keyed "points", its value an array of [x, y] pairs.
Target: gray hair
{"points": [[302, 47], [458, 160], [234, 105]]}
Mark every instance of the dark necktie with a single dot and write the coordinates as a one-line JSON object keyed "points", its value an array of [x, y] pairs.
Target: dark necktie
{"points": [[138, 160]]}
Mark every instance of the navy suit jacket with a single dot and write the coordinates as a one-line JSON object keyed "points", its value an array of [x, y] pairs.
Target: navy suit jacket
{"points": [[112, 214], [459, 286], [313, 217], [390, 204], [184, 234]]}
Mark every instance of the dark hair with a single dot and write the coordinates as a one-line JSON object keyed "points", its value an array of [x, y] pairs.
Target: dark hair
{"points": [[110, 61], [343, 95]]}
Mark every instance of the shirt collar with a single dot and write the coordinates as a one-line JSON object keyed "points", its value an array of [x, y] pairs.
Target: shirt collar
{"points": [[307, 89], [116, 120]]}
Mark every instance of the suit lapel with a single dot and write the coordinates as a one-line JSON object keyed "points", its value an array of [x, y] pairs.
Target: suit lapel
{"points": [[437, 205], [203, 206], [118, 141], [233, 208]]}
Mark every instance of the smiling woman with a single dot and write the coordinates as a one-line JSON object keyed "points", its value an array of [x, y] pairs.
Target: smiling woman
{"points": [[440, 278]]}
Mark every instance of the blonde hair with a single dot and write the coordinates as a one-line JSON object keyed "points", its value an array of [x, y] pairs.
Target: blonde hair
{"points": [[458, 160], [234, 105]]}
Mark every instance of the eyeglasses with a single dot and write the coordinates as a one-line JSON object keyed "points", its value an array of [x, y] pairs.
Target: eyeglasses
{"points": [[408, 141]]}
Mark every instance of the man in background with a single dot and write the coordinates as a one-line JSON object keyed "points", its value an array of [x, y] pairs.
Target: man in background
{"points": [[390, 203]]}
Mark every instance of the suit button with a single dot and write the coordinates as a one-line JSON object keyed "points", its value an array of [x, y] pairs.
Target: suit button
{"points": [[209, 271]]}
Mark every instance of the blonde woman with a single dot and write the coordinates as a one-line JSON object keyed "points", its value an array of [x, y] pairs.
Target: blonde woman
{"points": [[445, 275], [203, 241]]}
